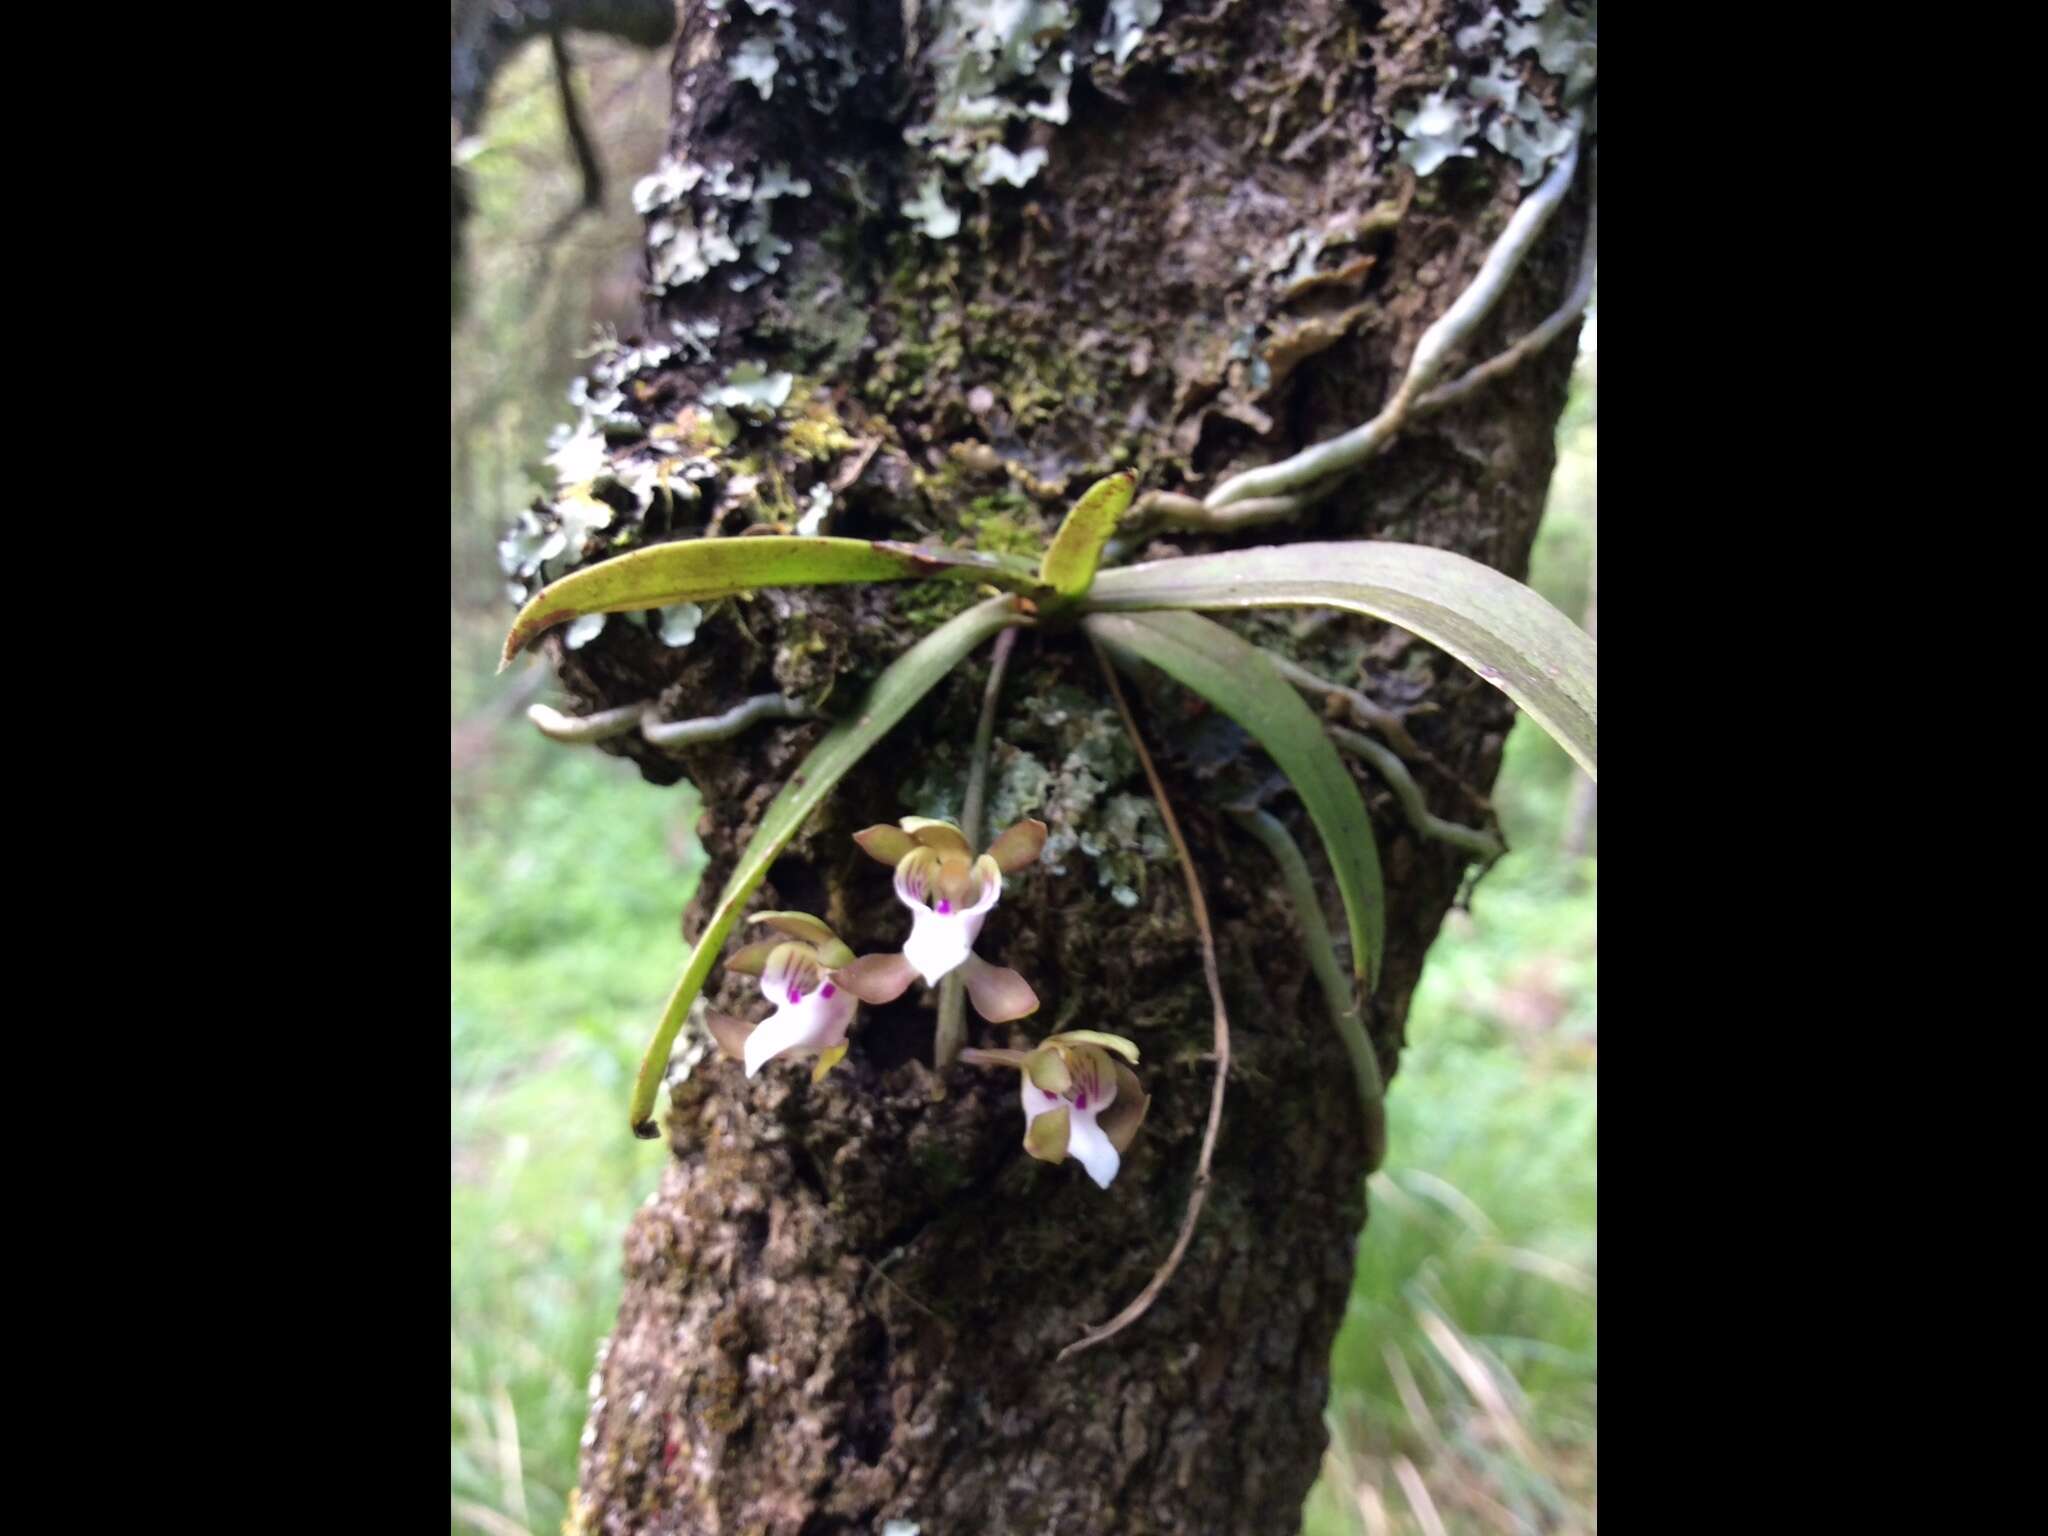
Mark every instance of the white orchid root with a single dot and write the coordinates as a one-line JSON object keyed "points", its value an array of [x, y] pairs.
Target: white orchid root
{"points": [[602, 726], [609, 723], [688, 733], [1279, 491], [1473, 840]]}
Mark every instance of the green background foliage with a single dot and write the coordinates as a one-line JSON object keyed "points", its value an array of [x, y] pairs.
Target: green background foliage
{"points": [[1464, 1378]]}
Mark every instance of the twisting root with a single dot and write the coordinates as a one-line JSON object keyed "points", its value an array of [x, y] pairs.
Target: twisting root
{"points": [[1275, 492], [1363, 710], [1474, 841], [1552, 327], [1200, 908], [602, 726], [686, 733]]}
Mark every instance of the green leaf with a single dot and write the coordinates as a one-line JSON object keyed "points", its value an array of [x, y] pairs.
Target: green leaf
{"points": [[697, 570], [1069, 564], [906, 680], [1496, 626], [1338, 997], [1238, 679]]}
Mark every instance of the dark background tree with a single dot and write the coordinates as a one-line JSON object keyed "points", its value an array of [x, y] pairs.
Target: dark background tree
{"points": [[844, 1303], [484, 34]]}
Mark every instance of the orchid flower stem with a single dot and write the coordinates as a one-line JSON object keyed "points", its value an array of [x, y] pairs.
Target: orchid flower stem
{"points": [[952, 1031], [602, 726], [1200, 910], [1338, 995], [1474, 841], [687, 733]]}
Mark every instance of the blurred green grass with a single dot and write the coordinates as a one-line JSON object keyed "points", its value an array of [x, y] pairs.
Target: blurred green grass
{"points": [[1463, 1382], [567, 880]]}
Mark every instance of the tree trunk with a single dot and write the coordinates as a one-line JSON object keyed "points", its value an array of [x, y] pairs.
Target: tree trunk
{"points": [[843, 1304]]}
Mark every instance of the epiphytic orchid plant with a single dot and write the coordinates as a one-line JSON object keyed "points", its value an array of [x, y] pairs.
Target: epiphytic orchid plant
{"points": [[1146, 614], [1138, 614]]}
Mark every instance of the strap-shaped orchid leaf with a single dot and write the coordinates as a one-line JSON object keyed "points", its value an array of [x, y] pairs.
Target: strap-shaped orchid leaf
{"points": [[1493, 624], [697, 570], [1070, 561], [1338, 997], [905, 681], [1236, 677]]}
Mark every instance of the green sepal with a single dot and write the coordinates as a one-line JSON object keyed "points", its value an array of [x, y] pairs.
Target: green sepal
{"points": [[1047, 1070], [1045, 1138], [1124, 1048]]}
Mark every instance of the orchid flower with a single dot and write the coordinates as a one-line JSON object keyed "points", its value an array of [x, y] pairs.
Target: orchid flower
{"points": [[949, 893], [812, 1010], [1077, 1101]]}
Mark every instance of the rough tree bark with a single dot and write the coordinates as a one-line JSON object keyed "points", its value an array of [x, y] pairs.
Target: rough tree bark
{"points": [[842, 1306]]}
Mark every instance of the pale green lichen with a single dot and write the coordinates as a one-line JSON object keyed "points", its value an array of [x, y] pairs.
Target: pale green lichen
{"points": [[1123, 840], [1021, 786], [1124, 24], [685, 243], [682, 253], [1440, 129], [584, 630], [821, 59], [582, 515], [1086, 738], [1494, 105], [1565, 44], [754, 61], [996, 64], [987, 57], [996, 163], [577, 454], [679, 623], [751, 388], [930, 212], [816, 508]]}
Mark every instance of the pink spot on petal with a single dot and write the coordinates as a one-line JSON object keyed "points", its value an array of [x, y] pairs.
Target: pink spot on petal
{"points": [[1081, 1099], [796, 994], [827, 990], [945, 907]]}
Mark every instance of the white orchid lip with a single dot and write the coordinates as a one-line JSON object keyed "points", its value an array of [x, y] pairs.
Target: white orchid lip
{"points": [[1086, 1142], [1071, 1087], [811, 1014], [812, 1010], [949, 893], [942, 932]]}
